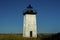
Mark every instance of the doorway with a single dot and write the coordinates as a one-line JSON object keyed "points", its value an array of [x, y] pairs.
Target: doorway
{"points": [[30, 33]]}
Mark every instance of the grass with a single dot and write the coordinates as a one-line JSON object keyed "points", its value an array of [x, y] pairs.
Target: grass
{"points": [[14, 37], [18, 37]]}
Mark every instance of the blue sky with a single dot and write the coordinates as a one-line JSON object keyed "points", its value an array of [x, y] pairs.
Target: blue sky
{"points": [[11, 15]]}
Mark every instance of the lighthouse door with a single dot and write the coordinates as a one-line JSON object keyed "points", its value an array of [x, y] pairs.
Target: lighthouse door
{"points": [[30, 33]]}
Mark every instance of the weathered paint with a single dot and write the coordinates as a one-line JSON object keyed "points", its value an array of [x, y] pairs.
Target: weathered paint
{"points": [[29, 25]]}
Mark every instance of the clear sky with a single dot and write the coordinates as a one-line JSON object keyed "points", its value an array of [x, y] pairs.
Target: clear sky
{"points": [[11, 15]]}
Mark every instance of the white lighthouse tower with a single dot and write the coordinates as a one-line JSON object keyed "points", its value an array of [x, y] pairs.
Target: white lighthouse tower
{"points": [[30, 26]]}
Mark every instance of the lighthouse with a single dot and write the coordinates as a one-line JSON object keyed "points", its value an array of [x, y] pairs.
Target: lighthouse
{"points": [[29, 24]]}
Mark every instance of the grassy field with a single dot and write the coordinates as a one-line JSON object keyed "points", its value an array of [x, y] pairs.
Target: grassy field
{"points": [[20, 37]]}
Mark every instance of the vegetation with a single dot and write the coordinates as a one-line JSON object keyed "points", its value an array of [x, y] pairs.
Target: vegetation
{"points": [[14, 37], [20, 37]]}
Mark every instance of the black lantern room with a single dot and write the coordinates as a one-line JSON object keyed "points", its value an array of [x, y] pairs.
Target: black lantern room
{"points": [[29, 10]]}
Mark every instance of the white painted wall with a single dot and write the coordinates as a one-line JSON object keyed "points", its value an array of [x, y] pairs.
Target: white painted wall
{"points": [[30, 25]]}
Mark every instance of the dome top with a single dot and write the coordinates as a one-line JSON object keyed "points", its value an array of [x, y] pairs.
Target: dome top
{"points": [[29, 6]]}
